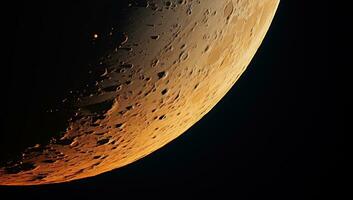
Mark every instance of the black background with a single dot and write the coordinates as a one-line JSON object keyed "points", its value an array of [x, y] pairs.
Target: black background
{"points": [[274, 135]]}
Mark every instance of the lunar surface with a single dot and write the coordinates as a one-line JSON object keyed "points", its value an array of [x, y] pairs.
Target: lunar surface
{"points": [[165, 66]]}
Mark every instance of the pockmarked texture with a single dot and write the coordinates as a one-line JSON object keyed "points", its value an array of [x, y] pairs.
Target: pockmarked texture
{"points": [[171, 63]]}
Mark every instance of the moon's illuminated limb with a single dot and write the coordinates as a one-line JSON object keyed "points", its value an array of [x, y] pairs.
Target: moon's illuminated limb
{"points": [[177, 70]]}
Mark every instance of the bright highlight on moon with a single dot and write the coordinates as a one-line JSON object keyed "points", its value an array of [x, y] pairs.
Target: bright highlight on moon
{"points": [[173, 62]]}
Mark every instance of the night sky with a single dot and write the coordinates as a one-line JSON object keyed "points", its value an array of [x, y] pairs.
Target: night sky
{"points": [[274, 135]]}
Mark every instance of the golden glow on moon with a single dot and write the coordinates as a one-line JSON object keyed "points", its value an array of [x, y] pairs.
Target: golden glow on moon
{"points": [[182, 65]]}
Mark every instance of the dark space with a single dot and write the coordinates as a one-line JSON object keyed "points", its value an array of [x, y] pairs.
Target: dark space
{"points": [[276, 134]]}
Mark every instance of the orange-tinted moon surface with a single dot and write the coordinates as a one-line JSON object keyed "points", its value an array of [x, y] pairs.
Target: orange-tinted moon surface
{"points": [[180, 58]]}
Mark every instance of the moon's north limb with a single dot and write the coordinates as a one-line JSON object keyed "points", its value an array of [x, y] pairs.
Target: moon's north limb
{"points": [[172, 62]]}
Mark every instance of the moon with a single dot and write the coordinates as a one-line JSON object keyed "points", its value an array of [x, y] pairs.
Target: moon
{"points": [[167, 65]]}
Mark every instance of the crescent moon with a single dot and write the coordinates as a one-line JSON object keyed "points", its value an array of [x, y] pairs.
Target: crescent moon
{"points": [[174, 62]]}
